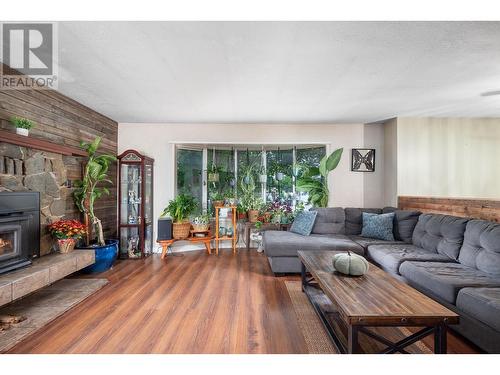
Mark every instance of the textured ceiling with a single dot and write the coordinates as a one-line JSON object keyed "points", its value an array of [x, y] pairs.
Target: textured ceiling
{"points": [[281, 71]]}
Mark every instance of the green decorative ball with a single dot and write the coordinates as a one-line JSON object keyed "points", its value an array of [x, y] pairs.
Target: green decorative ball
{"points": [[350, 264]]}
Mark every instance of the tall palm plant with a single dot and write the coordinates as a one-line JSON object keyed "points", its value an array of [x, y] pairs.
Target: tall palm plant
{"points": [[87, 189]]}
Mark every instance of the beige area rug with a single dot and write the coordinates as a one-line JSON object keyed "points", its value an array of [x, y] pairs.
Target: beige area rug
{"points": [[317, 339], [45, 305]]}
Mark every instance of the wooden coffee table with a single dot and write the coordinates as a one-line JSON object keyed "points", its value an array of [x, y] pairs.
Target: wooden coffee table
{"points": [[376, 299]]}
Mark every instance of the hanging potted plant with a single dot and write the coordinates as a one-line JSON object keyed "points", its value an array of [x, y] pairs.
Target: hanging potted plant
{"points": [[86, 192], [66, 232], [213, 174], [23, 125], [179, 210]]}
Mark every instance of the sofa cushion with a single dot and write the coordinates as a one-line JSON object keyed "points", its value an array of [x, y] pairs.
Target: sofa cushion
{"points": [[378, 226], [365, 241], [390, 256], [329, 220], [304, 222], [282, 243], [481, 247], [354, 218], [440, 233], [404, 224], [482, 304], [444, 280]]}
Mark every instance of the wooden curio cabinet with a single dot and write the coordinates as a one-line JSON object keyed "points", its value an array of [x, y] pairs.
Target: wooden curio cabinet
{"points": [[135, 208]]}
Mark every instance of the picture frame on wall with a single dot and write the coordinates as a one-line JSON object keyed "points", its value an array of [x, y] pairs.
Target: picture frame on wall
{"points": [[363, 160]]}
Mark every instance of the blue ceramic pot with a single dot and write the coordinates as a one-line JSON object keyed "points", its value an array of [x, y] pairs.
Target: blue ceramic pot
{"points": [[105, 256]]}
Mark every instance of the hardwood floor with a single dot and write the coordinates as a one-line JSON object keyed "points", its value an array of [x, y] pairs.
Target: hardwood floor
{"points": [[191, 304]]}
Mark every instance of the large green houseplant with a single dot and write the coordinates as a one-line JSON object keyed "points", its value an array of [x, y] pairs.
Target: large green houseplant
{"points": [[314, 180], [87, 192], [179, 210]]}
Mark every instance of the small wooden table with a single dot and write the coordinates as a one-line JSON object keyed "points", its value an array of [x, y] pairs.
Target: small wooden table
{"points": [[165, 244], [375, 299]]}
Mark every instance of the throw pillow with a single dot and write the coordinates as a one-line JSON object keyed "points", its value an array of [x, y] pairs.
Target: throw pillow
{"points": [[378, 226], [304, 222]]}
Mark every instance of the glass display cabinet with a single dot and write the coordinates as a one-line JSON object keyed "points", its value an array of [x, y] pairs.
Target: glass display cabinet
{"points": [[135, 209]]}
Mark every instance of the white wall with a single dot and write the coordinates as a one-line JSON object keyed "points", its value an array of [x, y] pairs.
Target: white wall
{"points": [[449, 157], [157, 140], [373, 182], [390, 157]]}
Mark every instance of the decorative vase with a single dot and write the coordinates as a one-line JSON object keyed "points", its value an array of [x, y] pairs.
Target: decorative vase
{"points": [[105, 256], [180, 231], [222, 231], [253, 216], [65, 245], [22, 131]]}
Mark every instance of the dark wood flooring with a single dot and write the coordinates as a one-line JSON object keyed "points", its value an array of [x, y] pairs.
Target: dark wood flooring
{"points": [[193, 303]]}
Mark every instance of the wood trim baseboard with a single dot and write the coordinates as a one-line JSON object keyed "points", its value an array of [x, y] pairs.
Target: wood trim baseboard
{"points": [[485, 209]]}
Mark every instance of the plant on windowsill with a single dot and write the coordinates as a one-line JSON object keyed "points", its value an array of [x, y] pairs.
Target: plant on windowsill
{"points": [[314, 180], [23, 125], [179, 210], [86, 192]]}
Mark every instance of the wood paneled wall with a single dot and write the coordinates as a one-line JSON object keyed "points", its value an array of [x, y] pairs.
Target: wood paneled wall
{"points": [[65, 121], [475, 208]]}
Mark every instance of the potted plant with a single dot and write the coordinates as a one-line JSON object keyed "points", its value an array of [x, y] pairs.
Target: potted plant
{"points": [[241, 210], [253, 204], [314, 180], [217, 199], [66, 232], [229, 198], [179, 210], [86, 192], [23, 125], [262, 175], [200, 223]]}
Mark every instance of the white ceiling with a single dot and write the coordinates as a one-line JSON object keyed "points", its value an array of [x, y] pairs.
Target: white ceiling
{"points": [[283, 72]]}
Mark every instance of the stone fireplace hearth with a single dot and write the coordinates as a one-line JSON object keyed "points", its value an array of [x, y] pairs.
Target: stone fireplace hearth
{"points": [[26, 169]]}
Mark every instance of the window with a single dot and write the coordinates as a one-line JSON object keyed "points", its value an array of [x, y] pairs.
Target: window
{"points": [[224, 172]]}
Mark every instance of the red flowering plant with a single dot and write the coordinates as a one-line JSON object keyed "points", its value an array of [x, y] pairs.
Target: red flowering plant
{"points": [[67, 229]]}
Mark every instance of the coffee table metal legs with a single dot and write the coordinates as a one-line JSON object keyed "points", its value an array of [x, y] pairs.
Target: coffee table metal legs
{"points": [[440, 339]]}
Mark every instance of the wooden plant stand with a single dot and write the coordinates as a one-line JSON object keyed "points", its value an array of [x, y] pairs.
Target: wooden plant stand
{"points": [[165, 244], [218, 237]]}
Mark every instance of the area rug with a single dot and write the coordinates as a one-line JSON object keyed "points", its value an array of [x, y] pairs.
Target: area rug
{"points": [[45, 305], [317, 339]]}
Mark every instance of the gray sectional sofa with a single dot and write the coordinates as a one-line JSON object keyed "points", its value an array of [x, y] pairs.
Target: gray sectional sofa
{"points": [[454, 260]]}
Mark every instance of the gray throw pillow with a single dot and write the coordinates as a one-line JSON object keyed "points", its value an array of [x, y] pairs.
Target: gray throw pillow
{"points": [[378, 226], [304, 222]]}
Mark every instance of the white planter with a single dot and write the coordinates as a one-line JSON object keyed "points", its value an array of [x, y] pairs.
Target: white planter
{"points": [[22, 131]]}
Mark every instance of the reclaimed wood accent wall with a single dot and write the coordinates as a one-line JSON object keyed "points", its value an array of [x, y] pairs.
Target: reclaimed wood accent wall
{"points": [[64, 121], [475, 208]]}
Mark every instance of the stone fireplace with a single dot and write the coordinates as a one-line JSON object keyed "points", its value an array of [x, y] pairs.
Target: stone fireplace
{"points": [[26, 169]]}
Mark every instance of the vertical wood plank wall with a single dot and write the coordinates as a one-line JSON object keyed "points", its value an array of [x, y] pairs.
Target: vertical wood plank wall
{"points": [[475, 208], [64, 121]]}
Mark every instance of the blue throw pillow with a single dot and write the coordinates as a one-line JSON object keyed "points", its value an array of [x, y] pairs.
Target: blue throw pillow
{"points": [[304, 222], [378, 226]]}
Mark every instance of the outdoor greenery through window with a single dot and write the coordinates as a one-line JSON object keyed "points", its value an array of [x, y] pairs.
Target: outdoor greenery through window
{"points": [[221, 173]]}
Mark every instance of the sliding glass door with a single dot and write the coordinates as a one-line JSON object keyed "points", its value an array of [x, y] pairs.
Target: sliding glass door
{"points": [[189, 176]]}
